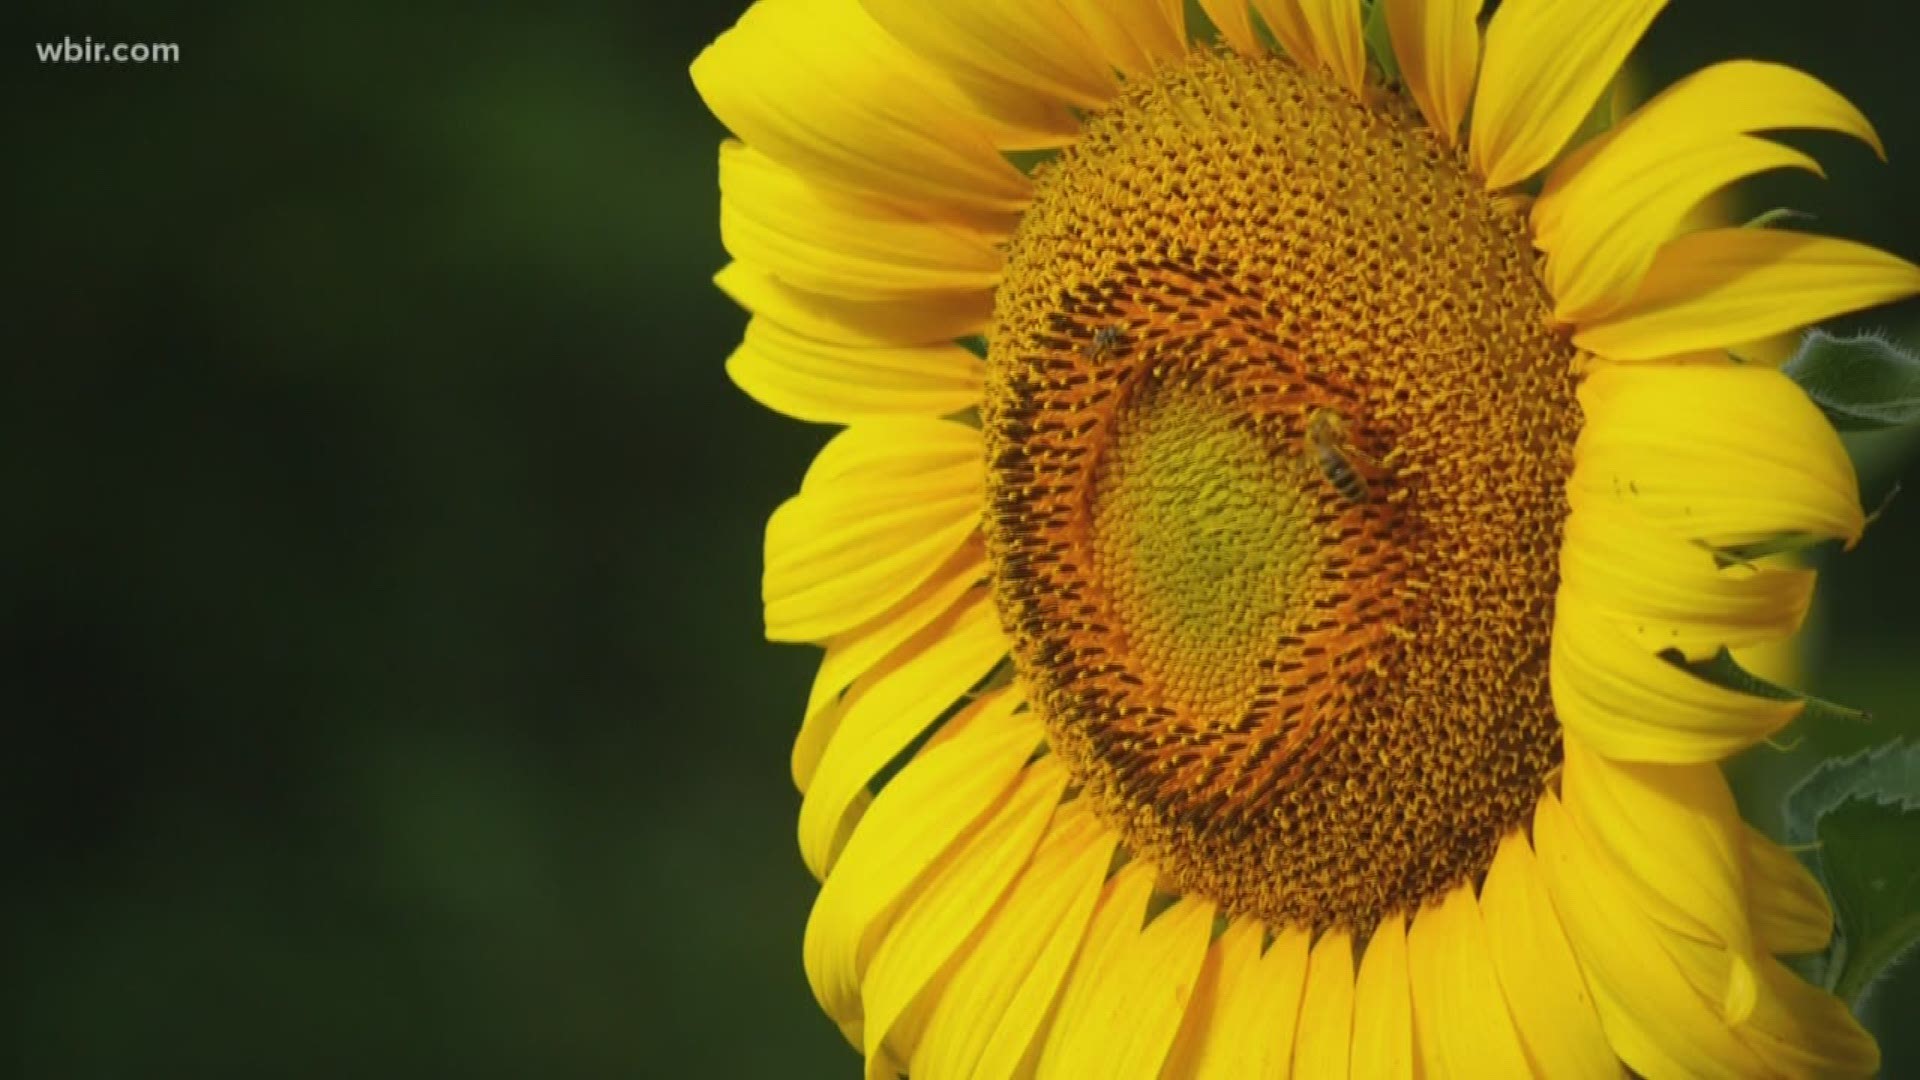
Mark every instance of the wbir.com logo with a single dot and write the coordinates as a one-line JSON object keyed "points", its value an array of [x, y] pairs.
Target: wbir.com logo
{"points": [[89, 51]]}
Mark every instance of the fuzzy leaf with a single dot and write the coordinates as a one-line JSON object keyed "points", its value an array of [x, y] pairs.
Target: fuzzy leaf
{"points": [[1862, 815], [1863, 383], [1890, 771], [1867, 855]]}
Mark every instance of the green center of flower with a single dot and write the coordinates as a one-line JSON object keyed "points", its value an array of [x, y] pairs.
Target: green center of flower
{"points": [[1200, 534], [1278, 432]]}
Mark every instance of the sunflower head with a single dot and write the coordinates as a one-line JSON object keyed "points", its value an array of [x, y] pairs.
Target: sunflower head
{"points": [[1270, 530], [1236, 476]]}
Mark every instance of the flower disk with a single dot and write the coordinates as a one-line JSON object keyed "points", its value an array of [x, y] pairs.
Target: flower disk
{"points": [[1278, 431]]}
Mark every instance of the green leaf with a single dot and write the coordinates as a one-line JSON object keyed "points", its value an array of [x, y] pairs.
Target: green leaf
{"points": [[1380, 41], [1789, 543], [1863, 383], [1862, 815], [1748, 554], [1888, 771], [1029, 160], [1723, 670], [1867, 853], [1600, 119], [1199, 26], [1779, 215]]}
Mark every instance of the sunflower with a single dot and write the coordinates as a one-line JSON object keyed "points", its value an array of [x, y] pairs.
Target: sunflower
{"points": [[1286, 490]]}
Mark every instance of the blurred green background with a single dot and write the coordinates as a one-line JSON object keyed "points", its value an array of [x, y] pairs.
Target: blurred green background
{"points": [[379, 630]]}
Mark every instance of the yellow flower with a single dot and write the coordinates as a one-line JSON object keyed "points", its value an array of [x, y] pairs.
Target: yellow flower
{"points": [[1264, 660]]}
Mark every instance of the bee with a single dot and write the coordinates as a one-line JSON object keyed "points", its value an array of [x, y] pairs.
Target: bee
{"points": [[1327, 435], [1105, 341]]}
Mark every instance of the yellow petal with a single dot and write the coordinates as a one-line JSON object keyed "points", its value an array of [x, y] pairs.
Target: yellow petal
{"points": [[1438, 46], [1339, 39], [833, 383], [1544, 988], [1324, 1043], [1720, 287], [1719, 453], [889, 450], [1801, 1030], [1135, 36], [934, 800], [1790, 910], [1234, 20], [885, 711], [1776, 661], [1796, 1029], [1321, 33], [1655, 1020], [902, 497], [1609, 242], [855, 652], [1021, 119], [1241, 1023], [1674, 837], [992, 1009], [1459, 1010], [1667, 593], [1546, 63], [842, 244], [1232, 955], [933, 318], [1383, 1007], [1116, 920], [795, 77], [950, 903], [1288, 26], [1631, 705], [1123, 1025], [1037, 47], [1737, 97]]}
